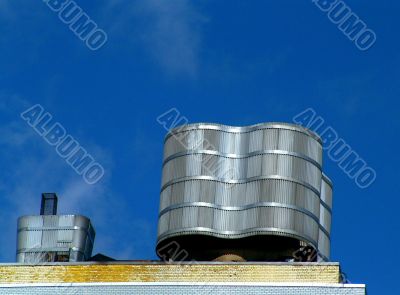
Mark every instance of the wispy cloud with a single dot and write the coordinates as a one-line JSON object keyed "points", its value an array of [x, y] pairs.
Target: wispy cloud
{"points": [[170, 31], [5, 9]]}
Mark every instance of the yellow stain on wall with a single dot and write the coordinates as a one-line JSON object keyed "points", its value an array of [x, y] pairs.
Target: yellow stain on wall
{"points": [[239, 272]]}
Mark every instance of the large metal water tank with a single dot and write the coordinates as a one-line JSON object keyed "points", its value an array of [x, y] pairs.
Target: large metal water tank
{"points": [[253, 191]]}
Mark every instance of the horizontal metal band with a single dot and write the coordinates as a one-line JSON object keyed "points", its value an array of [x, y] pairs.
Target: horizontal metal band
{"points": [[58, 216], [47, 228], [239, 208], [244, 129], [243, 156], [327, 180], [41, 250], [326, 206], [235, 234], [239, 181], [326, 259], [51, 249], [323, 229]]}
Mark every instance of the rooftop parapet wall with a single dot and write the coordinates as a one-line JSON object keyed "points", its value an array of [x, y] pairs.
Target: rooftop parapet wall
{"points": [[319, 273]]}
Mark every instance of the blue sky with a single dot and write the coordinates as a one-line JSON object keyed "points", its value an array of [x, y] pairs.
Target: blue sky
{"points": [[231, 62]]}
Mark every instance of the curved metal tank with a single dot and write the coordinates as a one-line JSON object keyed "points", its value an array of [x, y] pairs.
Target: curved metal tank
{"points": [[250, 191], [49, 238]]}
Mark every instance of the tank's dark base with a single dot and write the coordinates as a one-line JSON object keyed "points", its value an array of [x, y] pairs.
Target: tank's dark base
{"points": [[208, 248]]}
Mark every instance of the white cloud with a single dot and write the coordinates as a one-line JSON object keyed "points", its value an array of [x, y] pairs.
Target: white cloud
{"points": [[170, 31]]}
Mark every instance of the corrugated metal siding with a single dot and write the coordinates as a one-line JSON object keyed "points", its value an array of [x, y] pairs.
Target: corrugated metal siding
{"points": [[324, 243], [241, 194], [258, 220], [218, 166], [326, 191], [242, 141], [324, 246]]}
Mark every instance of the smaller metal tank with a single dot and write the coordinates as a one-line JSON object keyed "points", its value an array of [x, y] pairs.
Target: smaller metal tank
{"points": [[54, 238]]}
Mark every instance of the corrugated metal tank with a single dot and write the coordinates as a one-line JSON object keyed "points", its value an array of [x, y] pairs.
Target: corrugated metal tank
{"points": [[49, 238], [253, 191]]}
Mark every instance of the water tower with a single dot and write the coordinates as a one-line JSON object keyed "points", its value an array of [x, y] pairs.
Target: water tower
{"points": [[254, 193], [50, 237]]}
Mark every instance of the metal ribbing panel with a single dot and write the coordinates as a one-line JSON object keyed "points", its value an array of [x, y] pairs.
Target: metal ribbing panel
{"points": [[230, 182], [235, 140], [324, 242], [326, 191], [324, 246], [224, 169], [239, 223], [325, 218], [241, 194]]}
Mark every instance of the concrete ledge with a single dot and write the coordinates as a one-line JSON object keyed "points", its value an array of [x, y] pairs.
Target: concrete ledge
{"points": [[146, 272]]}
